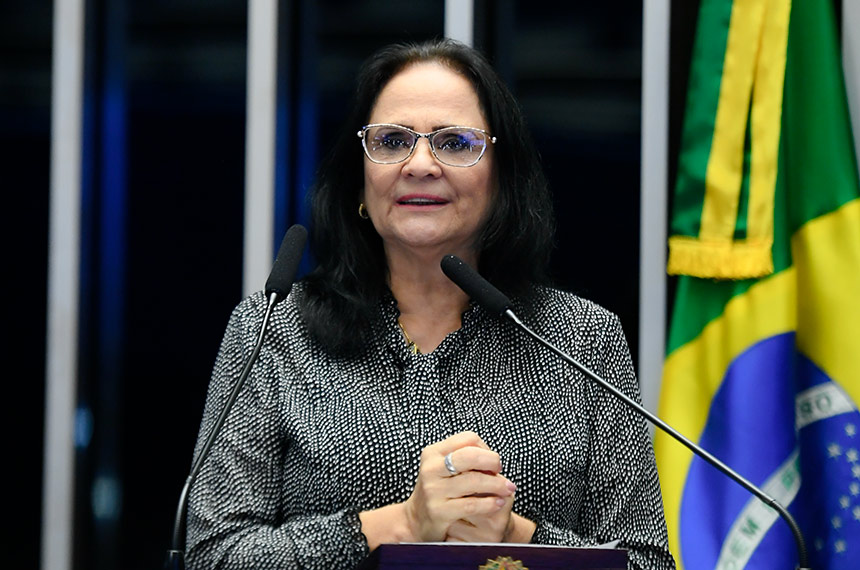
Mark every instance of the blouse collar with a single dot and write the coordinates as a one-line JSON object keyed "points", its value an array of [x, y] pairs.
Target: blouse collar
{"points": [[394, 341]]}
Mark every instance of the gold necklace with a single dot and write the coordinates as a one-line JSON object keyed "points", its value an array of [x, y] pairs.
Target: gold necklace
{"points": [[409, 343]]}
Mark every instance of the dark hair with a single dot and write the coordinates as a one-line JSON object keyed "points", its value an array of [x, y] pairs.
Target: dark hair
{"points": [[344, 290]]}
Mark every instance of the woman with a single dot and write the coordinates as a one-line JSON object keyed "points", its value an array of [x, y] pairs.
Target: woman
{"points": [[384, 406]]}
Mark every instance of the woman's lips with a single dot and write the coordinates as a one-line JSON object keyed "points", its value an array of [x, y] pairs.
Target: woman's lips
{"points": [[421, 200]]}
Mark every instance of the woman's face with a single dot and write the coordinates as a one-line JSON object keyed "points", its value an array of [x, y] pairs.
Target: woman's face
{"points": [[421, 204]]}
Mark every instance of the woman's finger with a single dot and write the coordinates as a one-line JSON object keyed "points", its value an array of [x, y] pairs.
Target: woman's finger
{"points": [[459, 440], [476, 483], [492, 527], [438, 451], [470, 459], [472, 507]]}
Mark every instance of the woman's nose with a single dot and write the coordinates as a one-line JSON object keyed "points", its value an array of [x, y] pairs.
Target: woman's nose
{"points": [[422, 162]]}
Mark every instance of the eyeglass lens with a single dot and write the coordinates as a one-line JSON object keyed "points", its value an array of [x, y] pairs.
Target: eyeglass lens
{"points": [[454, 146]]}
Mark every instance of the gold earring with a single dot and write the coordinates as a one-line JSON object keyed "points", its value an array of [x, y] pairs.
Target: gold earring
{"points": [[362, 211]]}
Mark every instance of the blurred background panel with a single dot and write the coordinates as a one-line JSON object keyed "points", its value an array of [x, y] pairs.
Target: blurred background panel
{"points": [[163, 199], [25, 144], [186, 97], [576, 69]]}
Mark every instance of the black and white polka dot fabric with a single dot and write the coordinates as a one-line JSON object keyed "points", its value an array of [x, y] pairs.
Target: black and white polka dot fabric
{"points": [[314, 439]]}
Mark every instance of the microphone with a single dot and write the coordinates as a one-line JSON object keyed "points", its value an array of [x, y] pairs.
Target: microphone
{"points": [[278, 286], [485, 294], [280, 280], [475, 286]]}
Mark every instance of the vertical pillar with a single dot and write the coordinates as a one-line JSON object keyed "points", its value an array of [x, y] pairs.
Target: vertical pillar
{"points": [[851, 65], [260, 143], [61, 359], [460, 20], [654, 186]]}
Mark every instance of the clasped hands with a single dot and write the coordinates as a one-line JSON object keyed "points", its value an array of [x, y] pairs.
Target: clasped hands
{"points": [[471, 505]]}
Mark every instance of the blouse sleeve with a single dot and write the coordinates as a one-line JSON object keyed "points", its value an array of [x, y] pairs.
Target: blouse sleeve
{"points": [[235, 518], [622, 498]]}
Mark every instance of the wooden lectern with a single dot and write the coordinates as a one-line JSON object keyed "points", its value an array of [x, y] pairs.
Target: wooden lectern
{"points": [[460, 556]]}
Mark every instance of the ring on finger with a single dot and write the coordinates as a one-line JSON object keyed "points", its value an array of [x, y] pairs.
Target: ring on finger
{"points": [[449, 465]]}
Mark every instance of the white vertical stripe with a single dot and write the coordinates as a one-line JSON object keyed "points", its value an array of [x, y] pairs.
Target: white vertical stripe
{"points": [[654, 183], [61, 359], [459, 20], [260, 143], [851, 64]]}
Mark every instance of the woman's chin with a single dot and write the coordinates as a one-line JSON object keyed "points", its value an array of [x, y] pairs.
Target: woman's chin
{"points": [[438, 246]]}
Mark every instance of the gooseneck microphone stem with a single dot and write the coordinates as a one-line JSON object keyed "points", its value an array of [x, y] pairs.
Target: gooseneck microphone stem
{"points": [[278, 287], [176, 553], [485, 294], [700, 451]]}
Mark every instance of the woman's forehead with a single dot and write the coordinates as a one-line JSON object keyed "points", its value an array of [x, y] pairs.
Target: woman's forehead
{"points": [[428, 91]]}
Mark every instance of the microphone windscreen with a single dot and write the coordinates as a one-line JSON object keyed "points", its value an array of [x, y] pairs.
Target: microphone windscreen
{"points": [[286, 264], [476, 287]]}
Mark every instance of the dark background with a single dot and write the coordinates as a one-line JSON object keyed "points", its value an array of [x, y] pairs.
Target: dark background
{"points": [[161, 266]]}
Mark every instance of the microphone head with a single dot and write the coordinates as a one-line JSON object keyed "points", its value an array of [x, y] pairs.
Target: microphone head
{"points": [[286, 264], [476, 287]]}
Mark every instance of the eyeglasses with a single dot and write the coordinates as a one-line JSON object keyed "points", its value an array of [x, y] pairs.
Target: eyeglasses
{"points": [[455, 146]]}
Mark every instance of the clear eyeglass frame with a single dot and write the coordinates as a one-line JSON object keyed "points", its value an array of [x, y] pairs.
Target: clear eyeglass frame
{"points": [[483, 136]]}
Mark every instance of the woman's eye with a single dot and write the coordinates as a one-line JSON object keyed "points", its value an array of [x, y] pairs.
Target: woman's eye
{"points": [[392, 139], [453, 143], [395, 141]]}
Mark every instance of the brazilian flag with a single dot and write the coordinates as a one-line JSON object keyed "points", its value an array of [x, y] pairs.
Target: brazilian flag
{"points": [[763, 357]]}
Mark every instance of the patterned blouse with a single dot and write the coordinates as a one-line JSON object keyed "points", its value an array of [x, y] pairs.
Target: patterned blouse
{"points": [[314, 439]]}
